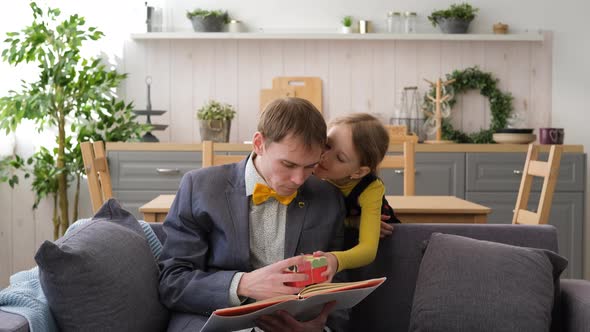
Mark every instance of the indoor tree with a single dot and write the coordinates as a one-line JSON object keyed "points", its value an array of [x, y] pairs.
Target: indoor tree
{"points": [[72, 95]]}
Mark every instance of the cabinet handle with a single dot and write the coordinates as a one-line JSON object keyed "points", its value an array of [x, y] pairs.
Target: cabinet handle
{"points": [[168, 171], [401, 171], [517, 172]]}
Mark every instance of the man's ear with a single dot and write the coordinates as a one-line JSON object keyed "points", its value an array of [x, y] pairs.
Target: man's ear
{"points": [[258, 143], [359, 173]]}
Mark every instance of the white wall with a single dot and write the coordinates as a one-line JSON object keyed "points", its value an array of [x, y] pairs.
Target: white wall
{"points": [[571, 68]]}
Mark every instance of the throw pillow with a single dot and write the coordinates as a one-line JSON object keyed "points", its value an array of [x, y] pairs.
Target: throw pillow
{"points": [[470, 285], [102, 276]]}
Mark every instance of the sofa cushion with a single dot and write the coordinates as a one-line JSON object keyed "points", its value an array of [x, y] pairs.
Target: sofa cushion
{"points": [[102, 276], [470, 285]]}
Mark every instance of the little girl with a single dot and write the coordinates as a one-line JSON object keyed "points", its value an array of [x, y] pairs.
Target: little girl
{"points": [[357, 143]]}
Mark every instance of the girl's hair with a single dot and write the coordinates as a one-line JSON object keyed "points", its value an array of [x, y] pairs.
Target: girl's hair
{"points": [[295, 116], [369, 137]]}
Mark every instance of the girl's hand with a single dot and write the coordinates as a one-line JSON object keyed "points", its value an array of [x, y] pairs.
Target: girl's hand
{"points": [[386, 229], [332, 264]]}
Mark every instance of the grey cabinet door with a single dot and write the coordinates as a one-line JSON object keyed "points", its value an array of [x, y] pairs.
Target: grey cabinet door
{"points": [[436, 174], [567, 215], [145, 170], [503, 172]]}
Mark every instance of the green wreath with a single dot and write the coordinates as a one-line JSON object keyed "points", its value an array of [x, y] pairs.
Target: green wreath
{"points": [[468, 79]]}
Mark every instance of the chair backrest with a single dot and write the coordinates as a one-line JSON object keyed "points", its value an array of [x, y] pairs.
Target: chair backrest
{"points": [[548, 170], [97, 171], [406, 162], [211, 156]]}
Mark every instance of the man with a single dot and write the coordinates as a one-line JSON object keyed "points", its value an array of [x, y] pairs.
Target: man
{"points": [[228, 241]]}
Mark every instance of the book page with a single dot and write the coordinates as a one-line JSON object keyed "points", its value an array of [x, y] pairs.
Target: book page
{"points": [[248, 308], [301, 309], [326, 287]]}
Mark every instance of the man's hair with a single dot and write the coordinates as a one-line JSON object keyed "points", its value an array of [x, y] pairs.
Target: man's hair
{"points": [[369, 137], [295, 116]]}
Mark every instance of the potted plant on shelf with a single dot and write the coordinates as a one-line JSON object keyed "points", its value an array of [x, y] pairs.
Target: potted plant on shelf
{"points": [[208, 20], [455, 19], [347, 24], [215, 121]]}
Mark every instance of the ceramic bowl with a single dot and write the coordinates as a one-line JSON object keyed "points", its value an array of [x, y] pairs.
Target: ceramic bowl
{"points": [[513, 138], [515, 130]]}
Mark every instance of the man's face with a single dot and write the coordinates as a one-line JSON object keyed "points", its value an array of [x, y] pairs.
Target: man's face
{"points": [[285, 165]]}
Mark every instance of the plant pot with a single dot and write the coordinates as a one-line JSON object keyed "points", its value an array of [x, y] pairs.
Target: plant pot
{"points": [[215, 130], [453, 25], [208, 23], [346, 29]]}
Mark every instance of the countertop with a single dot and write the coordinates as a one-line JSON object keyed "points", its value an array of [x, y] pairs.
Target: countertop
{"points": [[122, 146]]}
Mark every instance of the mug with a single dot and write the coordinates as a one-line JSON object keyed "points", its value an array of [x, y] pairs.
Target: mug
{"points": [[551, 135]]}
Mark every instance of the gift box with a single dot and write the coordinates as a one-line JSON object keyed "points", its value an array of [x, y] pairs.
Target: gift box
{"points": [[313, 267]]}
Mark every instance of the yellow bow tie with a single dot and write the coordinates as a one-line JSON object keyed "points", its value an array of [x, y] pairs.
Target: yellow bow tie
{"points": [[262, 193]]}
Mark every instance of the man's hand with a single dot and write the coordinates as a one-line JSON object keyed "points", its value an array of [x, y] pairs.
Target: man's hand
{"points": [[282, 321], [332, 264], [386, 229], [269, 281]]}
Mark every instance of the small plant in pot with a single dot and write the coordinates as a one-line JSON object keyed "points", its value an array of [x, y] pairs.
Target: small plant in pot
{"points": [[208, 20], [347, 24], [215, 121], [455, 19]]}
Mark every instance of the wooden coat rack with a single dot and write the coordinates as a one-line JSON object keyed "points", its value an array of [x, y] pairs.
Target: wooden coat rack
{"points": [[438, 100]]}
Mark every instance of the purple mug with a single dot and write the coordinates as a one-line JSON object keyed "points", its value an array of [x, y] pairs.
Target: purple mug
{"points": [[551, 135]]}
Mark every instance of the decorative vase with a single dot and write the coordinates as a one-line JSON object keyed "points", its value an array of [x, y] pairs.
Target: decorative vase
{"points": [[215, 130], [208, 23], [453, 25], [346, 29]]}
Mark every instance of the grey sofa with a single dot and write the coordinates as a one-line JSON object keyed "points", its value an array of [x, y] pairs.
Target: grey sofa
{"points": [[399, 257]]}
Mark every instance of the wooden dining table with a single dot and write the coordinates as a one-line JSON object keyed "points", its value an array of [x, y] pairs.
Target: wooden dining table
{"points": [[409, 209], [438, 209]]}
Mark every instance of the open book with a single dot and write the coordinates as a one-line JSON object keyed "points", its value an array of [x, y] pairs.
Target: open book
{"points": [[303, 306]]}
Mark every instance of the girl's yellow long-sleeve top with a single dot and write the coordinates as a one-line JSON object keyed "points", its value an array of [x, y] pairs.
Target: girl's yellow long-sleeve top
{"points": [[370, 201]]}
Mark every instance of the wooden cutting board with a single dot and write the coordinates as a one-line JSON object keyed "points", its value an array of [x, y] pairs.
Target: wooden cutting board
{"points": [[268, 95], [309, 88]]}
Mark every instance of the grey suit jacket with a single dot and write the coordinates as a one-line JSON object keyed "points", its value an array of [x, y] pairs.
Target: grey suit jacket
{"points": [[208, 234]]}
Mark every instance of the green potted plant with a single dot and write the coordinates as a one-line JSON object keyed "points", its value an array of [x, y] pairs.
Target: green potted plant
{"points": [[73, 97], [346, 24], [455, 19], [208, 20], [215, 121]]}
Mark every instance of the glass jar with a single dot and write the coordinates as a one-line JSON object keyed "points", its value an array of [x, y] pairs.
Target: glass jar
{"points": [[408, 111], [401, 112], [234, 26], [414, 110], [410, 19], [394, 20]]}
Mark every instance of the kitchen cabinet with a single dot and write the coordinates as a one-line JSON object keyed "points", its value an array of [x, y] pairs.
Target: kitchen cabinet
{"points": [[436, 174], [140, 176]]}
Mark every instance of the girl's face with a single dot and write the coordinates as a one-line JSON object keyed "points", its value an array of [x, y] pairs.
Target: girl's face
{"points": [[340, 162]]}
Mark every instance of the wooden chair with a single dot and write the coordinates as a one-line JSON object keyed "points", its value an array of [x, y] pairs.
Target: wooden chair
{"points": [[406, 161], [212, 158], [548, 170], [97, 171]]}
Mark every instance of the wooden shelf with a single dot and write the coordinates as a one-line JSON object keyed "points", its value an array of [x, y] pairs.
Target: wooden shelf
{"points": [[533, 37]]}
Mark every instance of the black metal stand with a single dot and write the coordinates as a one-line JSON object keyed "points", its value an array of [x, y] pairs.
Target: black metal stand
{"points": [[149, 137]]}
